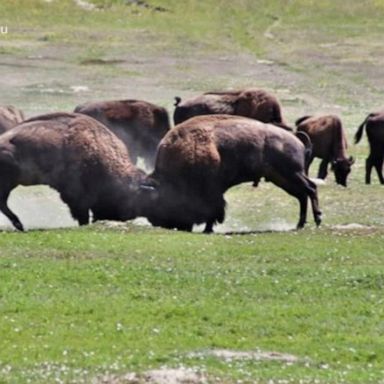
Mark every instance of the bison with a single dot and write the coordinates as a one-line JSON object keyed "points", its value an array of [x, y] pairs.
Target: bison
{"points": [[9, 117], [198, 160], [374, 126], [329, 144], [254, 103], [139, 124], [75, 155]]}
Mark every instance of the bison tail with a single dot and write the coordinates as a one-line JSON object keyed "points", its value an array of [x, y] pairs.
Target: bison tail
{"points": [[305, 139], [301, 119], [360, 130], [177, 101]]}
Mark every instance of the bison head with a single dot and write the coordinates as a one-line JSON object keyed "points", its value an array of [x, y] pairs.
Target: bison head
{"points": [[175, 206], [342, 168], [185, 112]]}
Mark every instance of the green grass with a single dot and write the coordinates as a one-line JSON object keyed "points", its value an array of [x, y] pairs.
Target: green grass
{"points": [[77, 303], [242, 22], [95, 300]]}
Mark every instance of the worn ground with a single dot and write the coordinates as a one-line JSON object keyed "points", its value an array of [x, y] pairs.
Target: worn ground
{"points": [[258, 302]]}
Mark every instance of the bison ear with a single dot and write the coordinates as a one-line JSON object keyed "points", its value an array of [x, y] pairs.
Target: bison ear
{"points": [[351, 160]]}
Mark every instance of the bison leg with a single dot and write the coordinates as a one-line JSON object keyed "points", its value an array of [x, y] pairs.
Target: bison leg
{"points": [[312, 193], [377, 163], [379, 168], [79, 210], [185, 227], [7, 212], [303, 200], [308, 164], [323, 169], [79, 213], [300, 187], [295, 187], [209, 227], [368, 170], [218, 214]]}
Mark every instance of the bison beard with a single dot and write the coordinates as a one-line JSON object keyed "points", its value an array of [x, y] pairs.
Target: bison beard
{"points": [[77, 156], [201, 158]]}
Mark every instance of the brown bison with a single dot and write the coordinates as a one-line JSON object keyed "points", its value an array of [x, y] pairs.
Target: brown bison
{"points": [[253, 103], [329, 143], [76, 155], [139, 124], [198, 160], [9, 117], [374, 126]]}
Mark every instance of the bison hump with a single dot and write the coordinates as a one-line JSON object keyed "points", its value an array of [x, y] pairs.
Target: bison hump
{"points": [[188, 150]]}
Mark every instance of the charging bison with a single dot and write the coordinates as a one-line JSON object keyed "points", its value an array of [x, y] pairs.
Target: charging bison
{"points": [[374, 126], [329, 143], [200, 159], [76, 155], [9, 117], [253, 103], [139, 124]]}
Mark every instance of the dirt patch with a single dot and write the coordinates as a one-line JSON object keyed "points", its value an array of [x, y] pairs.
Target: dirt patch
{"points": [[229, 355], [86, 5], [158, 376], [351, 226], [37, 207]]}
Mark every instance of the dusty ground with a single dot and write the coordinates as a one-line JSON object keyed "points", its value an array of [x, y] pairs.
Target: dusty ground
{"points": [[194, 376], [41, 76]]}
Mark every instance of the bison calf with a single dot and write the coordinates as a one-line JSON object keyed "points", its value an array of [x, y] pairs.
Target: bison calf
{"points": [[76, 155], [9, 117], [374, 126], [329, 143], [253, 103], [140, 125], [200, 159]]}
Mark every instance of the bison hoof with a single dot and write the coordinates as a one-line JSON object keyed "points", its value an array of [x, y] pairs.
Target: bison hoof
{"points": [[300, 225], [19, 226]]}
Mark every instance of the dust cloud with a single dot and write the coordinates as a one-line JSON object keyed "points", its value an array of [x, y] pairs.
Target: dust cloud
{"points": [[37, 207]]}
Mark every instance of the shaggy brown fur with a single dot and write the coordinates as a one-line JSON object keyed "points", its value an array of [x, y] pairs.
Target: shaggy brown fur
{"points": [[374, 126], [140, 125], [253, 103], [329, 144], [9, 117], [201, 158], [78, 157]]}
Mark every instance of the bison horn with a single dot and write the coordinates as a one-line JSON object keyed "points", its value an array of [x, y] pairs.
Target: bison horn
{"points": [[147, 187]]}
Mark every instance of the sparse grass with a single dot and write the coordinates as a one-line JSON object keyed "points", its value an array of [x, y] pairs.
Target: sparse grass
{"points": [[75, 303], [95, 300]]}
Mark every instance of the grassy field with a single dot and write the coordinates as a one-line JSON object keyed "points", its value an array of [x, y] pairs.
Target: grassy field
{"points": [[92, 304]]}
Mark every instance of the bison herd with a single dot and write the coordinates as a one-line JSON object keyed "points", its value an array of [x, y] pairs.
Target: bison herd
{"points": [[219, 139]]}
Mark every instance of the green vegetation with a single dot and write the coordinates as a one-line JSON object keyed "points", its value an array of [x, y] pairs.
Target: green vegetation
{"points": [[95, 300], [77, 303]]}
